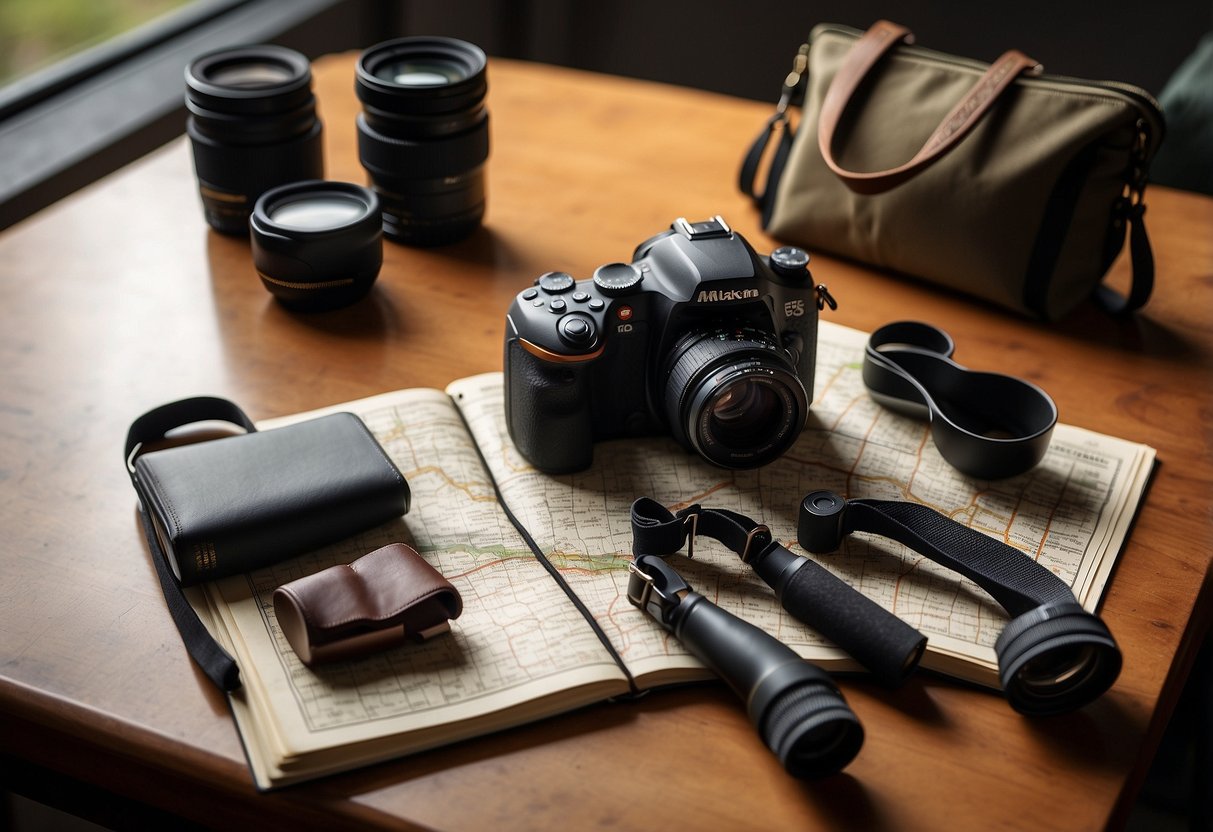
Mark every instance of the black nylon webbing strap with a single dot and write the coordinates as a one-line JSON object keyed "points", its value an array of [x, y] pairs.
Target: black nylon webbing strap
{"points": [[874, 637], [1053, 656], [215, 662], [1016, 582]]}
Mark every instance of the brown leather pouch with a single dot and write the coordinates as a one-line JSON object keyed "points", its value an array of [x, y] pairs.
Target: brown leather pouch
{"points": [[382, 600]]}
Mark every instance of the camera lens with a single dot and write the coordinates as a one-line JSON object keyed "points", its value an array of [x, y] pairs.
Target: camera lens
{"points": [[734, 396], [317, 245], [252, 125], [423, 136]]}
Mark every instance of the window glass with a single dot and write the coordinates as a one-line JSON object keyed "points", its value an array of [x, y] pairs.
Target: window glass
{"points": [[37, 33]]}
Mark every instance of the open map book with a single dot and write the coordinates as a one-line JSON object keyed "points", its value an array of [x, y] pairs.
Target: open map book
{"points": [[524, 648]]}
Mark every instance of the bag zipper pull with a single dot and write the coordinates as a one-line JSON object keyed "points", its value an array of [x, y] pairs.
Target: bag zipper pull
{"points": [[794, 80]]}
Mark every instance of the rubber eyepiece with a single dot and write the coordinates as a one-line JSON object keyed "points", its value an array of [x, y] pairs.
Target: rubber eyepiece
{"points": [[1055, 659], [809, 726]]}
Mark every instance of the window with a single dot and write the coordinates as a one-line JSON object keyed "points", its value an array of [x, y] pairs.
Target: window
{"points": [[74, 121]]}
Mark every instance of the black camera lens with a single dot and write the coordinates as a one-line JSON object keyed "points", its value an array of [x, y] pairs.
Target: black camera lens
{"points": [[317, 245], [252, 126], [423, 136], [734, 397]]}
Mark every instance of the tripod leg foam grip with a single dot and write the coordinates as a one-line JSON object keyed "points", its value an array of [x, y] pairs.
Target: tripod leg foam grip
{"points": [[875, 637]]}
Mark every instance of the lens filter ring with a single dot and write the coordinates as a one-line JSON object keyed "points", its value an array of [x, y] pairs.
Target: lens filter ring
{"points": [[248, 80], [421, 76], [317, 244], [1056, 658]]}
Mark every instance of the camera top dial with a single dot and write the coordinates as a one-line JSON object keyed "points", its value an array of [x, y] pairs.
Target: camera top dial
{"points": [[617, 278]]}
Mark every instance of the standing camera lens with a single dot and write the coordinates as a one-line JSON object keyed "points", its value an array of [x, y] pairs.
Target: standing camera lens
{"points": [[734, 396], [252, 125], [317, 245], [423, 136]]}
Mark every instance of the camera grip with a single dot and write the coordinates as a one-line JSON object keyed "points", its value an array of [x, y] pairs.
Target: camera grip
{"points": [[548, 411]]}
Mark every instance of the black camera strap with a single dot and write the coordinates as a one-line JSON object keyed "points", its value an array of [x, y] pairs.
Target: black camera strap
{"points": [[1053, 656], [876, 638], [215, 662]]}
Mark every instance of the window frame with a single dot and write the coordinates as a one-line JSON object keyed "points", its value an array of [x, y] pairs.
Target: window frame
{"points": [[74, 122]]}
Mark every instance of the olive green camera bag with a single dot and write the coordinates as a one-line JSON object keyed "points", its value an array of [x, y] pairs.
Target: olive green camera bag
{"points": [[993, 180]]}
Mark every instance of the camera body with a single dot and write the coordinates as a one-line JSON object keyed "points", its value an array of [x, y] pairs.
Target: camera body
{"points": [[698, 337]]}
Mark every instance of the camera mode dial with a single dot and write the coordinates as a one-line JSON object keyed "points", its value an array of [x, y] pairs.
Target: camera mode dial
{"points": [[790, 261], [617, 278]]}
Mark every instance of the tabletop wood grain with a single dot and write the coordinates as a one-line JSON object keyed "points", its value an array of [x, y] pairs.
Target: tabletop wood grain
{"points": [[119, 299]]}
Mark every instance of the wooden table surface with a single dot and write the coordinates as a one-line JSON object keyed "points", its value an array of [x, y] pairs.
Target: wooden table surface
{"points": [[119, 299]]}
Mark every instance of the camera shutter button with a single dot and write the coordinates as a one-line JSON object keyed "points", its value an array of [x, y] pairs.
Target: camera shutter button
{"points": [[576, 330]]}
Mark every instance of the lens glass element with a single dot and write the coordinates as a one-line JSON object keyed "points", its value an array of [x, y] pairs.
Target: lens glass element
{"points": [[745, 409], [421, 73], [312, 212], [249, 74]]}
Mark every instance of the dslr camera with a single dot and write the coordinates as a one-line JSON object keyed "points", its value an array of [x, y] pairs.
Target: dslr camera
{"points": [[698, 337]]}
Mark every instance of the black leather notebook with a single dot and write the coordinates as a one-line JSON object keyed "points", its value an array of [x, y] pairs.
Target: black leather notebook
{"points": [[234, 504]]}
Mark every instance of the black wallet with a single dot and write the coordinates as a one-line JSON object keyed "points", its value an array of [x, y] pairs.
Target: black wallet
{"points": [[226, 506]]}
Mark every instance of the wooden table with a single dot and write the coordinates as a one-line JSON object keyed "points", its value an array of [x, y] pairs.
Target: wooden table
{"points": [[119, 299]]}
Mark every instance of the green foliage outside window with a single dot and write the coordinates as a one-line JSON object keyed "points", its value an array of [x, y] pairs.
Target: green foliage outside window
{"points": [[36, 33]]}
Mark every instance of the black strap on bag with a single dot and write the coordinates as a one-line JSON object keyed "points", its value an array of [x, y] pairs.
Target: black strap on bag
{"points": [[791, 95], [875, 637], [216, 663]]}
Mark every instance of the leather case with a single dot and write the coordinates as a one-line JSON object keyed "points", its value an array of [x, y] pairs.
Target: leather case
{"points": [[382, 600], [234, 504]]}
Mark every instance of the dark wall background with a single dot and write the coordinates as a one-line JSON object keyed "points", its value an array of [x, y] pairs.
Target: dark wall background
{"points": [[745, 47]]}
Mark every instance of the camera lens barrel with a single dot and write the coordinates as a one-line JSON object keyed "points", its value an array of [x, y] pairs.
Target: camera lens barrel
{"points": [[317, 245], [734, 397], [252, 125], [423, 136]]}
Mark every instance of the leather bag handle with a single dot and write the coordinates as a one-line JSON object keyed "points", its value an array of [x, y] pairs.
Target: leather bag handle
{"points": [[861, 59]]}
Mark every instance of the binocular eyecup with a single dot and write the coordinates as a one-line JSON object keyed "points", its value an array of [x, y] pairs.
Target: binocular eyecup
{"points": [[799, 712]]}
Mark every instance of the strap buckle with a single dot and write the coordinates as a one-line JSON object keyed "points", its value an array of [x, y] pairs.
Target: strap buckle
{"points": [[648, 589], [761, 533], [691, 520]]}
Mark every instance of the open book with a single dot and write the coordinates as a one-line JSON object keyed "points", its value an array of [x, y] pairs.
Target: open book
{"points": [[547, 626]]}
